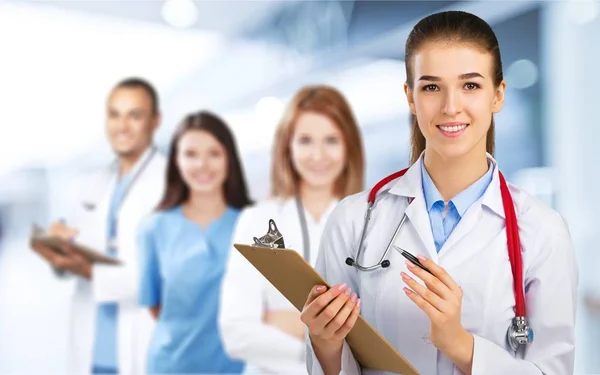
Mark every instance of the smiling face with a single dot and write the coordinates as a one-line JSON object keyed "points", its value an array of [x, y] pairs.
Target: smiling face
{"points": [[130, 121], [202, 162], [318, 150], [454, 97]]}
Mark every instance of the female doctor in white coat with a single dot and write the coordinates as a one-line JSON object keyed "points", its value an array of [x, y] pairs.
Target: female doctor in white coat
{"points": [[462, 222], [317, 160], [109, 332]]}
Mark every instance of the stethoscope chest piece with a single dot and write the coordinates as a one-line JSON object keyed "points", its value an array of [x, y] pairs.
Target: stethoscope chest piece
{"points": [[519, 333]]}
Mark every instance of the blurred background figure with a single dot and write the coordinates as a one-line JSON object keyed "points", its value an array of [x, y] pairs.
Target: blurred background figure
{"points": [[108, 331], [317, 160], [244, 60], [184, 248]]}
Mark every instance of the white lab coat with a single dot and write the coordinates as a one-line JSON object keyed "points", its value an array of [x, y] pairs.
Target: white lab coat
{"points": [[247, 295], [113, 283], [476, 256]]}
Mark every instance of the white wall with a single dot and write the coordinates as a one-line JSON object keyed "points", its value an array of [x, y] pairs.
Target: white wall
{"points": [[572, 99]]}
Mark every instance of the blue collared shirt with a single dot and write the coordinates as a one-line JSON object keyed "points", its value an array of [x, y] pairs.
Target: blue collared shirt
{"points": [[442, 224]]}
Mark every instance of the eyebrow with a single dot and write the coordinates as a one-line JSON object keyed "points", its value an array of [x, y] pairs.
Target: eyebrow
{"points": [[462, 76], [132, 111]]}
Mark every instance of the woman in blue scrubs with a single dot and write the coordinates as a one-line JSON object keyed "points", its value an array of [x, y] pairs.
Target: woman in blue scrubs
{"points": [[184, 247]]}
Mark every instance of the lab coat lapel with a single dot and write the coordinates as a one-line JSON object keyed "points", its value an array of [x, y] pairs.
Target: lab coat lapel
{"points": [[464, 227], [419, 218], [410, 186], [459, 241], [475, 221], [91, 216], [288, 223]]}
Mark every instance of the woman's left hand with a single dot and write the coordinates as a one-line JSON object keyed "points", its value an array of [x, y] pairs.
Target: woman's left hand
{"points": [[441, 300]]}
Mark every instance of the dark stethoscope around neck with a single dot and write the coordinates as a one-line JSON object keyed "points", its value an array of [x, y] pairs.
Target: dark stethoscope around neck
{"points": [[519, 333]]}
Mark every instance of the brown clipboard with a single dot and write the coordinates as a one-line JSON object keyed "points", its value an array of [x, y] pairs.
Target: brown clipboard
{"points": [[39, 236], [287, 270]]}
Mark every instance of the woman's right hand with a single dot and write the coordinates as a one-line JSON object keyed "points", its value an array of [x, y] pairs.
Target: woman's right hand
{"points": [[329, 316]]}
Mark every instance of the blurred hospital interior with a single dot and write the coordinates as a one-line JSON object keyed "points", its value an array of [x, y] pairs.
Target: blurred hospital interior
{"points": [[244, 60]]}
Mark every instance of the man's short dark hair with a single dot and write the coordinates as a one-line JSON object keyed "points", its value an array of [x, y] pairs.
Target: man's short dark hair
{"points": [[140, 83]]}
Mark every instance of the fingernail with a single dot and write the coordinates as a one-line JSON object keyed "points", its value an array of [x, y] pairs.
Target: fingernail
{"points": [[320, 288], [409, 264], [342, 287], [353, 298], [407, 291], [404, 276], [421, 258], [358, 303], [348, 291]]}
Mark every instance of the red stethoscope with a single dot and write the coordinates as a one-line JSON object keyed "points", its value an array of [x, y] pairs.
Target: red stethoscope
{"points": [[519, 333]]}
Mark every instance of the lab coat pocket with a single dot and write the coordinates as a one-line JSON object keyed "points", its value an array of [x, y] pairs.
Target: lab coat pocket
{"points": [[91, 224]]}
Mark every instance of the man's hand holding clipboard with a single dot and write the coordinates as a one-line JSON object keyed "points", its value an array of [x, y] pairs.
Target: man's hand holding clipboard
{"points": [[58, 247]]}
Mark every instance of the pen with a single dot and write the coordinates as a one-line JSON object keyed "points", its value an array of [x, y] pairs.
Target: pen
{"points": [[411, 258]]}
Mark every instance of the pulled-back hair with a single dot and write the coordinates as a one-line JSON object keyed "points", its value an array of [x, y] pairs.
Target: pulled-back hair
{"points": [[452, 27]]}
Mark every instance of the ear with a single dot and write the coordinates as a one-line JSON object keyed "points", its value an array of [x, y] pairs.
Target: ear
{"points": [[499, 97], [410, 98], [156, 122]]}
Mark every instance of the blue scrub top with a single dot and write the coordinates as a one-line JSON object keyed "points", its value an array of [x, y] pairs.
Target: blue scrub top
{"points": [[181, 270]]}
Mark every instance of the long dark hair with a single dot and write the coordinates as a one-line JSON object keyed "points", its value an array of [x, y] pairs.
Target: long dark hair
{"points": [[234, 187], [454, 27]]}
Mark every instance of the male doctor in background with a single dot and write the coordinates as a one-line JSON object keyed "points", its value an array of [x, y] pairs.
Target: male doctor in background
{"points": [[109, 333]]}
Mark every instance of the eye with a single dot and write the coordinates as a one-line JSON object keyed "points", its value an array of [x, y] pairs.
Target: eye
{"points": [[430, 88], [304, 140], [472, 86], [332, 140], [214, 153]]}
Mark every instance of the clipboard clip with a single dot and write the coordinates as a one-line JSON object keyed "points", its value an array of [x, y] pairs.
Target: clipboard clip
{"points": [[273, 238]]}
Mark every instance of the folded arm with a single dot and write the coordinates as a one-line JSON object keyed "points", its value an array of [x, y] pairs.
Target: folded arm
{"points": [[245, 334]]}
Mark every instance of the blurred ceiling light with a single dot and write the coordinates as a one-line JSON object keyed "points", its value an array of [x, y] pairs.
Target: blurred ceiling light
{"points": [[180, 13], [522, 74], [583, 11]]}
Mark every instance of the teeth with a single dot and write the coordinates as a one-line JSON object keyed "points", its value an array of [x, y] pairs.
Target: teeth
{"points": [[454, 128]]}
